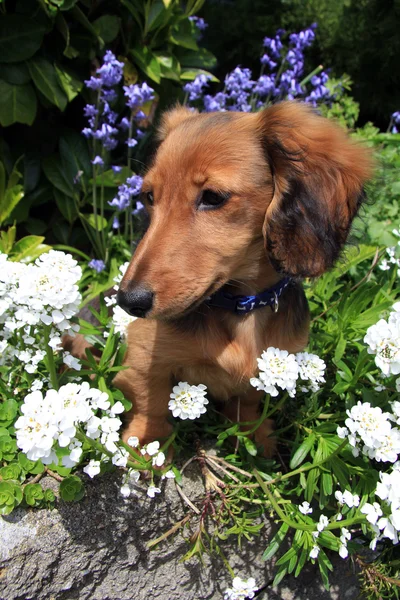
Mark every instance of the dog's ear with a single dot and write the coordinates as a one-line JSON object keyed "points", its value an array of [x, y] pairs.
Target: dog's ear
{"points": [[172, 118], [318, 175]]}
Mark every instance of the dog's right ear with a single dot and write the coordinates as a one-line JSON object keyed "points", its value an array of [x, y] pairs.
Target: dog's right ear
{"points": [[172, 119]]}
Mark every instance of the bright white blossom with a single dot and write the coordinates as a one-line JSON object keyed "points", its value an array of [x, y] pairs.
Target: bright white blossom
{"points": [[152, 491], [314, 552], [188, 401], [311, 370], [370, 428], [241, 589], [322, 523], [372, 512], [93, 468], [347, 498], [52, 419], [305, 508], [121, 321], [33, 296], [279, 369], [383, 340]]}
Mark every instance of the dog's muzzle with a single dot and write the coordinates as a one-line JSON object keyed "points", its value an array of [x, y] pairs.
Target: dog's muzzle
{"points": [[135, 299]]}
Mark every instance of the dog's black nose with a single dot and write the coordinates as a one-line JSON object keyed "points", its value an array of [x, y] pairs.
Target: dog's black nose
{"points": [[136, 300]]}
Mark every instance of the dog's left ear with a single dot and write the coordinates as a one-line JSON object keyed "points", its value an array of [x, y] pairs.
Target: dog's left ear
{"points": [[318, 176], [172, 118]]}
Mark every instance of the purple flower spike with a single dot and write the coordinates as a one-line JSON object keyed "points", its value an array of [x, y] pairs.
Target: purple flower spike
{"points": [[195, 89], [126, 191], [139, 207], [137, 94], [97, 264], [131, 142], [98, 161], [199, 22]]}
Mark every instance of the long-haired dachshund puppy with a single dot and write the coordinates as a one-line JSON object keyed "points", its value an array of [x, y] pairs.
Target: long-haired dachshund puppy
{"points": [[242, 207]]}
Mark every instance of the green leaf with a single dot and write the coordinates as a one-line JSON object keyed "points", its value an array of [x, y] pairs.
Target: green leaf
{"points": [[20, 37], [72, 489], [10, 497], [182, 35], [202, 59], [33, 494], [69, 82], [147, 61], [30, 466], [10, 471], [27, 248], [312, 480], [302, 451], [18, 104], [8, 412], [45, 78], [276, 541], [169, 66], [98, 223], [16, 73], [55, 173], [84, 21], [74, 154], [190, 74], [340, 348], [11, 198], [7, 239], [249, 445], [66, 206], [107, 27], [157, 16]]}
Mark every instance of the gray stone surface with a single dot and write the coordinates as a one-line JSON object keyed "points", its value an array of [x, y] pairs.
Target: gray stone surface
{"points": [[96, 550]]}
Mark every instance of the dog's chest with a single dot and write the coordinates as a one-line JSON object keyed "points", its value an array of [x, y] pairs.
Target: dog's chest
{"points": [[225, 366]]}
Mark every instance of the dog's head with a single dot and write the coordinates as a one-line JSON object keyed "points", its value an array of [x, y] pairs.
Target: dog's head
{"points": [[231, 193]]}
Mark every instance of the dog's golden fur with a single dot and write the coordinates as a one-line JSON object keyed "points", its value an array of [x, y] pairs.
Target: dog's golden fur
{"points": [[295, 183]]}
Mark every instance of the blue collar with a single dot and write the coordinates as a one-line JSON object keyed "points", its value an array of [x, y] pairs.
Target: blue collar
{"points": [[242, 305]]}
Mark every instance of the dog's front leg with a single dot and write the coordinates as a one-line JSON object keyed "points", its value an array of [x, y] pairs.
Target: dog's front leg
{"points": [[147, 383]]}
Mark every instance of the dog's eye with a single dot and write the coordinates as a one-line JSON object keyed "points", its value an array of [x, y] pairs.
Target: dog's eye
{"points": [[150, 198], [209, 199]]}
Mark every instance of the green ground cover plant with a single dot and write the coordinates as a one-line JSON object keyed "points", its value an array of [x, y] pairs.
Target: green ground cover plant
{"points": [[334, 484]]}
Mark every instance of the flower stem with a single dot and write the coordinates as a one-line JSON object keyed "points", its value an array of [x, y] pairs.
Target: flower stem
{"points": [[49, 360]]}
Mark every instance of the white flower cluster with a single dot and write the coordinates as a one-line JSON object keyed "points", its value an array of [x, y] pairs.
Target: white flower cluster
{"points": [[188, 401], [323, 523], [158, 459], [369, 427], [241, 589], [385, 525], [33, 295], [392, 258], [52, 420], [120, 319], [383, 340], [279, 369]]}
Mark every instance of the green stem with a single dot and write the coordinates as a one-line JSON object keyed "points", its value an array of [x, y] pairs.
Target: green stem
{"points": [[50, 364], [302, 526], [308, 467], [82, 437], [308, 77]]}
